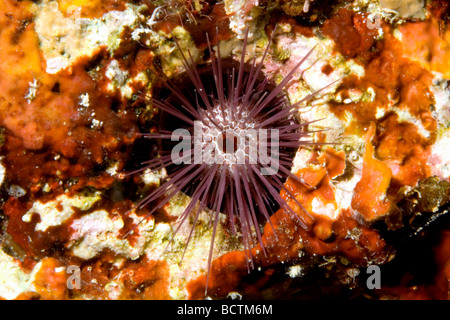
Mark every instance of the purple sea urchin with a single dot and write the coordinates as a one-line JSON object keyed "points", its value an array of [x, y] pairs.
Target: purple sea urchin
{"points": [[228, 138]]}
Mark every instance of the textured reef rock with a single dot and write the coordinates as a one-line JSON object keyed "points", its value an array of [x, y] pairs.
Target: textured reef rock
{"points": [[76, 83]]}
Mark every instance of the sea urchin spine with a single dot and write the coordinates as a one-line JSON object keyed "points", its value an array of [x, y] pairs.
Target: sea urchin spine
{"points": [[238, 136]]}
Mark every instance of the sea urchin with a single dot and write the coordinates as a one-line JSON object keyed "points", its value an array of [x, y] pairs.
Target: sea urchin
{"points": [[228, 138]]}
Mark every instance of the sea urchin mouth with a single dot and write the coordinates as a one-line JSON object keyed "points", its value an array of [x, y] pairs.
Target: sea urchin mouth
{"points": [[229, 136]]}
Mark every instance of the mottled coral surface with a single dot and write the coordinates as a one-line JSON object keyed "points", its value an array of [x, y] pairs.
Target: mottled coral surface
{"points": [[377, 192]]}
